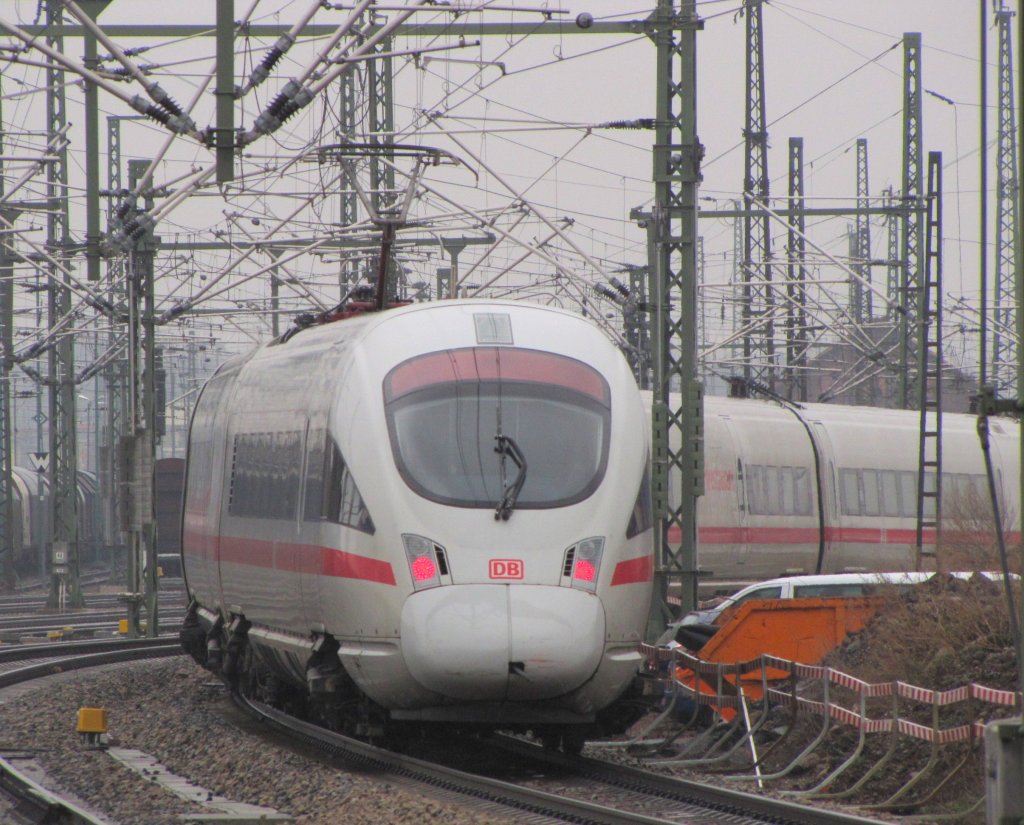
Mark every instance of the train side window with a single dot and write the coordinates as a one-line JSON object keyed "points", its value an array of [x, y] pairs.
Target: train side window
{"points": [[930, 482], [787, 491], [978, 486], [833, 488], [827, 591], [801, 491], [850, 492], [773, 592], [642, 517], [771, 484], [774, 482], [869, 479], [315, 460], [264, 475], [890, 492], [966, 487], [287, 473], [951, 487], [761, 489], [752, 482], [342, 502], [908, 494]]}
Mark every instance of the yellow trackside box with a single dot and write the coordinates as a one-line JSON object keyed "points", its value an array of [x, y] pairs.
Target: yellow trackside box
{"points": [[92, 720]]}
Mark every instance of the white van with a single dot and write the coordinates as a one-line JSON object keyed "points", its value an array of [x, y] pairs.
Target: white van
{"points": [[820, 587], [806, 587], [699, 625]]}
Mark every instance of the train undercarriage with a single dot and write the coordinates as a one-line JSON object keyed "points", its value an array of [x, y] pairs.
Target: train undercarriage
{"points": [[332, 699]]}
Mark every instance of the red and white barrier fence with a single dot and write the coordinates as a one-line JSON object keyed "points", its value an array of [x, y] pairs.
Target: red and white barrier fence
{"points": [[719, 692]]}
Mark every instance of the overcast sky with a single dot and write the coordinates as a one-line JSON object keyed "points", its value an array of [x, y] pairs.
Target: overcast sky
{"points": [[833, 74]]}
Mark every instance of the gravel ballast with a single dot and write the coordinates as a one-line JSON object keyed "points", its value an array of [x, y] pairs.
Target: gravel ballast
{"points": [[175, 711]]}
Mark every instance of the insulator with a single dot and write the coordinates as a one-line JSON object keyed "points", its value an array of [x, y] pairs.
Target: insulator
{"points": [[158, 114], [276, 105], [290, 109], [271, 59]]}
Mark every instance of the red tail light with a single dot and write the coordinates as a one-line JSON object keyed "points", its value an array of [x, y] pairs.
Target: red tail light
{"points": [[584, 571], [423, 569], [582, 564], [421, 554]]}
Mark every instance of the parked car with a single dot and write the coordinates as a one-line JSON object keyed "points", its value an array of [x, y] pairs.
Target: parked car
{"points": [[697, 626]]}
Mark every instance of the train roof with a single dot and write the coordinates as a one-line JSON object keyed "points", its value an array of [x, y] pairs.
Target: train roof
{"points": [[322, 336], [844, 413]]}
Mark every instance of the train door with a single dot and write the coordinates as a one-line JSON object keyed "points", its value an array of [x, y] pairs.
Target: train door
{"points": [[307, 538], [722, 513], [205, 479], [1003, 443], [828, 498]]}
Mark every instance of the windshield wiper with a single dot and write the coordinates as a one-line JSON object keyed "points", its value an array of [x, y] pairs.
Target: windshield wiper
{"points": [[506, 446]]}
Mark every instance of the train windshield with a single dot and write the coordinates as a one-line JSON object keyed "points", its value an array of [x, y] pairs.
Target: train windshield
{"points": [[446, 411]]}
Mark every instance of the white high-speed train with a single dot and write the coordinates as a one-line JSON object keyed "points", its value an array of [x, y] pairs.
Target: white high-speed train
{"points": [[821, 488], [436, 513], [441, 513]]}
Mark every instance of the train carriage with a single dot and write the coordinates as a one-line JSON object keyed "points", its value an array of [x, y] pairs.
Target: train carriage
{"points": [[821, 488], [441, 513], [443, 509]]}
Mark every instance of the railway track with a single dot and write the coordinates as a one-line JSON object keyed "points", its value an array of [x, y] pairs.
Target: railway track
{"points": [[559, 788], [21, 605], [82, 622], [540, 787], [22, 800]]}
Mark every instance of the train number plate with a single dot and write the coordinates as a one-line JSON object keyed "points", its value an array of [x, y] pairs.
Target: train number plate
{"points": [[506, 568]]}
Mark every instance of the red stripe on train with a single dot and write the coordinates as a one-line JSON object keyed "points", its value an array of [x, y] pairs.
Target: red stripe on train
{"points": [[809, 535], [299, 558], [631, 571], [803, 535]]}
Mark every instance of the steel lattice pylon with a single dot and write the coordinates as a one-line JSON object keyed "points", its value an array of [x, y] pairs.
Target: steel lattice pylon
{"points": [[758, 301], [6, 342], [860, 288], [116, 373], [677, 426], [892, 257], [347, 129], [796, 248], [1004, 338], [382, 172], [860, 296], [61, 361], [912, 236]]}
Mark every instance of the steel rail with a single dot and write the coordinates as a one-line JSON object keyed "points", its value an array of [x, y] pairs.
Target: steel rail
{"points": [[535, 803], [66, 651], [729, 804], [684, 790], [36, 802], [44, 807]]}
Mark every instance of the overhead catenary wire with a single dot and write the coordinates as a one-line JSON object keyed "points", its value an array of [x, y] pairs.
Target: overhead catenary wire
{"points": [[156, 93], [168, 119]]}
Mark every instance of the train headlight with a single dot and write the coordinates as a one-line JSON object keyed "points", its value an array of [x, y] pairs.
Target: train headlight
{"points": [[425, 566], [583, 563]]}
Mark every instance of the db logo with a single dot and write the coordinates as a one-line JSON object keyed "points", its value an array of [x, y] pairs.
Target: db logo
{"points": [[506, 569]]}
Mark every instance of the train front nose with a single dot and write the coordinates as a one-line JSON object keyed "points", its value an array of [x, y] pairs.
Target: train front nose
{"points": [[502, 643]]}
